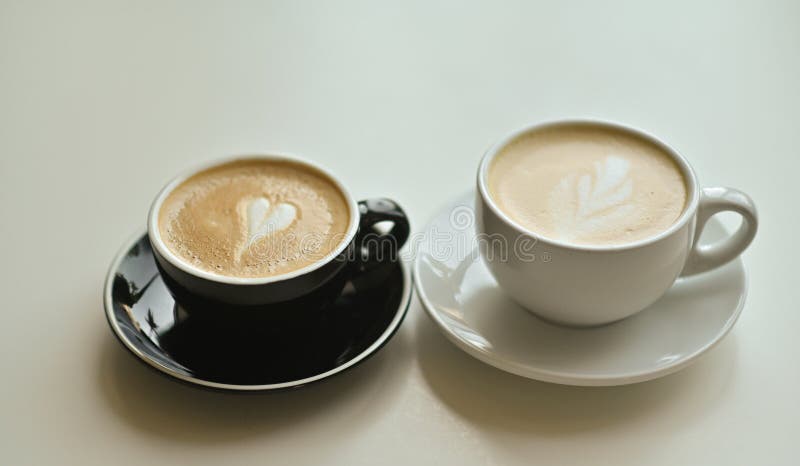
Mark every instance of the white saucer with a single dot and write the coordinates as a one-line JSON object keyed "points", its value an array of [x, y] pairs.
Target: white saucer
{"points": [[462, 298]]}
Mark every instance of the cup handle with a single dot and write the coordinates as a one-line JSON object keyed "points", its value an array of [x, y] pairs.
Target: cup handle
{"points": [[374, 248], [713, 201]]}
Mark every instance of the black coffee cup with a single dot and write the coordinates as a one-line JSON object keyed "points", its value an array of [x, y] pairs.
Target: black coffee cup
{"points": [[289, 297]]}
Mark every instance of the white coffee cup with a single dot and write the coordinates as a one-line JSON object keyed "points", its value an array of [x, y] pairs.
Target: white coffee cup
{"points": [[592, 285]]}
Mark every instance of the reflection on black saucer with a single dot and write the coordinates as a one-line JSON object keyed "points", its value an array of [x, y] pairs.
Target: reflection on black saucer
{"points": [[196, 349]]}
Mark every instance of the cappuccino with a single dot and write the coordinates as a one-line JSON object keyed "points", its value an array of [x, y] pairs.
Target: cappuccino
{"points": [[254, 218], [588, 185]]}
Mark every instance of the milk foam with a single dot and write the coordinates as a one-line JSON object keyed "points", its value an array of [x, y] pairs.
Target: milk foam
{"points": [[585, 204], [254, 218], [263, 219], [588, 185]]}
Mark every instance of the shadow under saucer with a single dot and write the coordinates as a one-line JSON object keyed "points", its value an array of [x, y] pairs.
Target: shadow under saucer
{"points": [[158, 407], [493, 399]]}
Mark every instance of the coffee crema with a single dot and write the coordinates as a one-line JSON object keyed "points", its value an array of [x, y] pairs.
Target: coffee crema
{"points": [[254, 218], [589, 185]]}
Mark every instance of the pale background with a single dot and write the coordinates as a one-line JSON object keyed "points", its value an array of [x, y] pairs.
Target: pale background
{"points": [[101, 102]]}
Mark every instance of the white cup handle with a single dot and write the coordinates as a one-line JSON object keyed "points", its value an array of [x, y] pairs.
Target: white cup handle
{"points": [[712, 201]]}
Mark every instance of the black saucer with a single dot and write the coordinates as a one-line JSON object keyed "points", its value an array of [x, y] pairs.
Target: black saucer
{"points": [[147, 321]]}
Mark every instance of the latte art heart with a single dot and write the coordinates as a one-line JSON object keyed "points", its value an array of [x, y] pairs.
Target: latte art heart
{"points": [[263, 221]]}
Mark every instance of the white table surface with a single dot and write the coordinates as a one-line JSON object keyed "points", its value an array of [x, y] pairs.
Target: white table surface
{"points": [[101, 102]]}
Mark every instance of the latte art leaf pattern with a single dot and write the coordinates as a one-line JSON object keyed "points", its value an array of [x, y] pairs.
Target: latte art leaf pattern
{"points": [[593, 202]]}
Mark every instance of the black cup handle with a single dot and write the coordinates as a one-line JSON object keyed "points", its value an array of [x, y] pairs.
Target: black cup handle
{"points": [[372, 247]]}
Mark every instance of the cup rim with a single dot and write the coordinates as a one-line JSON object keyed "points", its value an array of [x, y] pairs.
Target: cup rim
{"points": [[686, 169], [154, 234]]}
